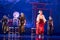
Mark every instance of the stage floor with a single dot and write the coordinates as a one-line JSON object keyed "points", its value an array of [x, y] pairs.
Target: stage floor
{"points": [[26, 37]]}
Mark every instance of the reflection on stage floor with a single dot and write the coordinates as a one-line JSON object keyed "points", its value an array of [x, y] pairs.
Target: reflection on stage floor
{"points": [[26, 37]]}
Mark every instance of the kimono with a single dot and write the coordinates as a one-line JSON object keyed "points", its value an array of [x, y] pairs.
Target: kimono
{"points": [[50, 27], [40, 24], [21, 24], [5, 25]]}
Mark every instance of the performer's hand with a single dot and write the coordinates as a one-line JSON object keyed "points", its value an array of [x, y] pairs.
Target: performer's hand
{"points": [[45, 21], [24, 24]]}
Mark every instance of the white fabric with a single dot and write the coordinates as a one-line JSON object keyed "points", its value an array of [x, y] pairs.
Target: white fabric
{"points": [[41, 17]]}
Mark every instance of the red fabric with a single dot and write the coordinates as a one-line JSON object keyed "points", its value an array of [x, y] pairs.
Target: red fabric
{"points": [[40, 28]]}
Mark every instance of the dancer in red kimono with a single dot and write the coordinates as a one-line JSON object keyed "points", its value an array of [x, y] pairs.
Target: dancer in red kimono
{"points": [[40, 22]]}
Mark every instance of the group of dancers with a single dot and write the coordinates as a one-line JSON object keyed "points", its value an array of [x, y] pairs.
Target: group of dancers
{"points": [[21, 23], [40, 23]]}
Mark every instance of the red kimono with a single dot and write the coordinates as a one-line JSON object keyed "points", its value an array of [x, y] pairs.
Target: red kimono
{"points": [[40, 28], [41, 22]]}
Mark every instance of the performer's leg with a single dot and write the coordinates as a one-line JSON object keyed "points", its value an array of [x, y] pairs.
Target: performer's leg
{"points": [[19, 29], [5, 29], [22, 29], [52, 31], [42, 33], [41, 36]]}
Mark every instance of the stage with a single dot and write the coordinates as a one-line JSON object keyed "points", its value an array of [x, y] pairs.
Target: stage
{"points": [[30, 9]]}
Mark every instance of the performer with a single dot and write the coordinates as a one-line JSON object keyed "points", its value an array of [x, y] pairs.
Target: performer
{"points": [[15, 18], [22, 22], [5, 24], [50, 27], [40, 22]]}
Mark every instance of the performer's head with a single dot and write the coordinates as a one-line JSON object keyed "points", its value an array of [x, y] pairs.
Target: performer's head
{"points": [[50, 18], [4, 16], [40, 12], [22, 14], [16, 14]]}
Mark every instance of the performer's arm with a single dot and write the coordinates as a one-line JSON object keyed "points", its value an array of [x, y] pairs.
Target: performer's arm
{"points": [[44, 18], [25, 22], [37, 21], [52, 25]]}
